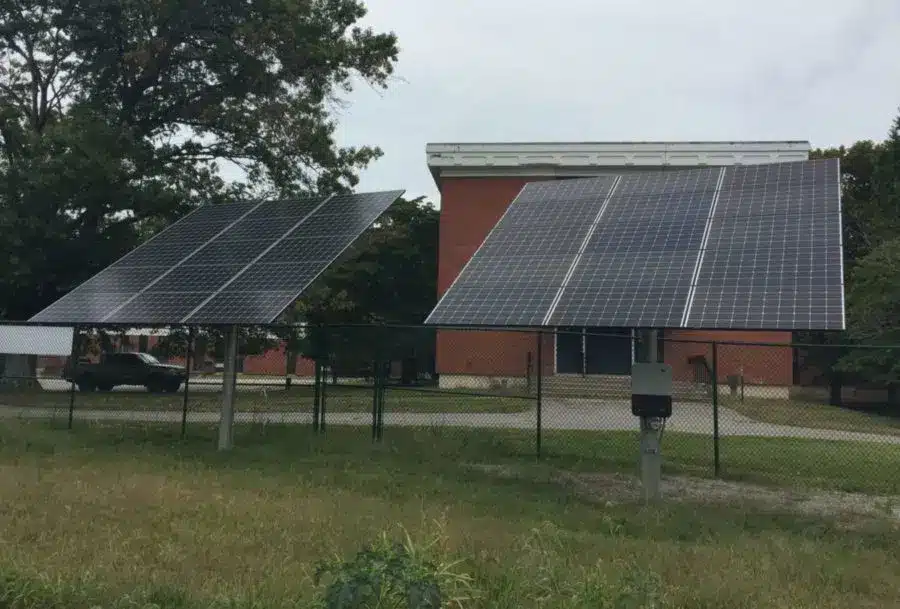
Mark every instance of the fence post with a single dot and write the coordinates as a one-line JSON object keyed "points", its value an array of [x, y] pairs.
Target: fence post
{"points": [[715, 401], [73, 359], [317, 390], [189, 349], [529, 362], [538, 377], [376, 373], [382, 378], [322, 400]]}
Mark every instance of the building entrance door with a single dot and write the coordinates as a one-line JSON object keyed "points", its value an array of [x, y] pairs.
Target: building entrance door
{"points": [[593, 351], [607, 351], [569, 351]]}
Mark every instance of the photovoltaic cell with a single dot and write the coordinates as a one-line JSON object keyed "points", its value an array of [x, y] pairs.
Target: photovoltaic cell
{"points": [[156, 307], [234, 263], [231, 307], [668, 182], [82, 307]]}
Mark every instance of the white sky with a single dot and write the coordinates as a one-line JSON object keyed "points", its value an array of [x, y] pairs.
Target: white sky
{"points": [[826, 71]]}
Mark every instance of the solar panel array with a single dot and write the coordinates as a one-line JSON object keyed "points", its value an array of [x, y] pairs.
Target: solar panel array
{"points": [[750, 247], [224, 264]]}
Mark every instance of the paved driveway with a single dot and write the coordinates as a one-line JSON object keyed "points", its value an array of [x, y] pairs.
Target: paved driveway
{"points": [[575, 414]]}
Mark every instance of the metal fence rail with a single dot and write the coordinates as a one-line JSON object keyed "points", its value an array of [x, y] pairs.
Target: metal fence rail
{"points": [[546, 391]]}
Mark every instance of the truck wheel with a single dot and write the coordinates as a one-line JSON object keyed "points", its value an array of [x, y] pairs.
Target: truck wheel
{"points": [[104, 387], [86, 385], [154, 387], [173, 386]]}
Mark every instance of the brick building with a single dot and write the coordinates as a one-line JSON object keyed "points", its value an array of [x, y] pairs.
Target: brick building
{"points": [[478, 181]]}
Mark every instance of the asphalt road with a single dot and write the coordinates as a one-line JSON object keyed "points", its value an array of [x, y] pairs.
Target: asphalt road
{"points": [[573, 414]]}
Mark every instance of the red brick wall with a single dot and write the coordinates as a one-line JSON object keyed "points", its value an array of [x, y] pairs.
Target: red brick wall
{"points": [[273, 362], [470, 207], [759, 364]]}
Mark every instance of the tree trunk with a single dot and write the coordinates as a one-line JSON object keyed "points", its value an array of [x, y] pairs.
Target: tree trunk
{"points": [[290, 364], [836, 386], [409, 370], [201, 345]]}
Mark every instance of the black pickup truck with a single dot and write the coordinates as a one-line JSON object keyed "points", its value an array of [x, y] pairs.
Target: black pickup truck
{"points": [[126, 369]]}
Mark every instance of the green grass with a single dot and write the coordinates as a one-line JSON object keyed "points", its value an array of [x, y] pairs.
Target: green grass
{"points": [[810, 414], [107, 512], [275, 398]]}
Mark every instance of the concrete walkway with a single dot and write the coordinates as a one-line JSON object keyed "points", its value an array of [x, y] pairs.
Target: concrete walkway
{"points": [[572, 414]]}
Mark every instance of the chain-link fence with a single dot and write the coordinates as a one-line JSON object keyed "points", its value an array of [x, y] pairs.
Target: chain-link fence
{"points": [[562, 394]]}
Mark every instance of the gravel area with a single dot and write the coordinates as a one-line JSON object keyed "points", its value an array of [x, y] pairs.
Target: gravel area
{"points": [[614, 488]]}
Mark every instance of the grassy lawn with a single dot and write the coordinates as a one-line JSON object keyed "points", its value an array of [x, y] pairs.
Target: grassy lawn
{"points": [[809, 414], [274, 397], [106, 513]]}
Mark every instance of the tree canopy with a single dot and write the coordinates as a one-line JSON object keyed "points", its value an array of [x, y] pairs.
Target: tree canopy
{"points": [[871, 219], [388, 277], [117, 117]]}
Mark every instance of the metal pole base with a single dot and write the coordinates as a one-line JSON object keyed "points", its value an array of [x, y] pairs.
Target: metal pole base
{"points": [[229, 380], [651, 459]]}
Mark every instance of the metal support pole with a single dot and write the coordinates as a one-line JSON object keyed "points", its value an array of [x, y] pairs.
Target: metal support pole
{"points": [[538, 378], [322, 395], [189, 349], [229, 382], [715, 404], [317, 391], [73, 360], [651, 460]]}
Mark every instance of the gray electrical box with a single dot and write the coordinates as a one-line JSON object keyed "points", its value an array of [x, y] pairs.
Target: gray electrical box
{"points": [[651, 390]]}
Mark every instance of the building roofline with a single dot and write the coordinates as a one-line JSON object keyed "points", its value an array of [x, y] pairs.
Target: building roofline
{"points": [[495, 159]]}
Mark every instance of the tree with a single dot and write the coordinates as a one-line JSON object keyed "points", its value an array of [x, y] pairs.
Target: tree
{"points": [[861, 215], [874, 304], [116, 118], [388, 277]]}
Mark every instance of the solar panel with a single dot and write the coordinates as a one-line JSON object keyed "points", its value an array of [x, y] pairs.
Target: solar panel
{"points": [[514, 277], [233, 263], [91, 302], [755, 246], [773, 257], [277, 275], [637, 267], [627, 290]]}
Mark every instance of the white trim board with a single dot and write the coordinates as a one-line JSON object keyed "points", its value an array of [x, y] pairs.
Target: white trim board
{"points": [[499, 159]]}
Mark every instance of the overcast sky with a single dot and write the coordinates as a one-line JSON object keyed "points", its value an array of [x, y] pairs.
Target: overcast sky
{"points": [[827, 71]]}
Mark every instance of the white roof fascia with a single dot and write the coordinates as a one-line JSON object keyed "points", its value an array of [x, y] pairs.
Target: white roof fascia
{"points": [[596, 158]]}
